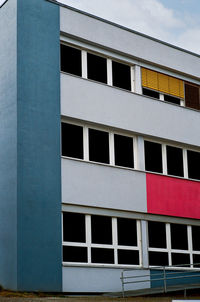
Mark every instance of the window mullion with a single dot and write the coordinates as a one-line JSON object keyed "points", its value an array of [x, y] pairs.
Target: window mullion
{"points": [[190, 248], [84, 64], [164, 158], [168, 235], [185, 163], [132, 79], [85, 143], [88, 236], [111, 148], [109, 72], [114, 238]]}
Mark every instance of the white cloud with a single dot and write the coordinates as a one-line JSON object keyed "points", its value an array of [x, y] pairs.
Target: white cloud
{"points": [[147, 16]]}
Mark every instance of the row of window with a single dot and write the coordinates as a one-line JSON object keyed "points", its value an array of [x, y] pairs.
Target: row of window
{"points": [[111, 148], [96, 67], [110, 240], [154, 84]]}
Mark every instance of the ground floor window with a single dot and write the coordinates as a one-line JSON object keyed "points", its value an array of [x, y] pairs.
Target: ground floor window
{"points": [[96, 239], [173, 244]]}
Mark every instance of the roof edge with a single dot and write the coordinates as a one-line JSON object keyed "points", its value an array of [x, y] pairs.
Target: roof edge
{"points": [[123, 27]]}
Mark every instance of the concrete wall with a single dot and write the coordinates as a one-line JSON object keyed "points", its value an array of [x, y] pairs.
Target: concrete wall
{"points": [[8, 146], [98, 279], [39, 169], [102, 33], [103, 186], [113, 107]]}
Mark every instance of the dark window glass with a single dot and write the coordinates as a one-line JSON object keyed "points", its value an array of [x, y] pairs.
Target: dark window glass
{"points": [[171, 99], [196, 238], [97, 68], [74, 254], [127, 231], [70, 60], [196, 260], [72, 140], [121, 75], [174, 161], [123, 151], [101, 229], [102, 255], [193, 164], [179, 239], [153, 157], [158, 258], [128, 257], [192, 97], [157, 234], [73, 227], [98, 146], [151, 93], [178, 259]]}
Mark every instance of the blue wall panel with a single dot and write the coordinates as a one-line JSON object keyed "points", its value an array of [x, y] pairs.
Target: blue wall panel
{"points": [[173, 278], [8, 146], [39, 167]]}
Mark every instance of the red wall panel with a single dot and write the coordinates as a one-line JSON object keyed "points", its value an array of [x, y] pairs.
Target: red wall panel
{"points": [[173, 196]]}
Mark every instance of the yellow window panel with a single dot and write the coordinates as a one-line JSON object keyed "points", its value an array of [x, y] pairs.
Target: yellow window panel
{"points": [[144, 77], [152, 79], [181, 88], [174, 86], [163, 83]]}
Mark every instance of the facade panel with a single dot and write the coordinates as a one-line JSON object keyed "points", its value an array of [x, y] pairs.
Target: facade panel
{"points": [[103, 186], [113, 107], [173, 197]]}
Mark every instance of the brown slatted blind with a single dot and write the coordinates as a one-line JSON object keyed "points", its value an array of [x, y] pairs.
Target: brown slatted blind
{"points": [[192, 96]]}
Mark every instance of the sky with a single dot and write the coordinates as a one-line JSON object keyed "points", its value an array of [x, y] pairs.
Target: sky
{"points": [[174, 21]]}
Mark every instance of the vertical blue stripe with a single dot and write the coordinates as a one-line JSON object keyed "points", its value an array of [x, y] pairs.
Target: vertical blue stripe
{"points": [[39, 163]]}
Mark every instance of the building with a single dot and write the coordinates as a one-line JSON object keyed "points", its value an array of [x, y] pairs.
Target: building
{"points": [[118, 187]]}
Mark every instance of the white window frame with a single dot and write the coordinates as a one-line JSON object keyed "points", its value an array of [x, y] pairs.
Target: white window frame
{"points": [[114, 246], [169, 250]]}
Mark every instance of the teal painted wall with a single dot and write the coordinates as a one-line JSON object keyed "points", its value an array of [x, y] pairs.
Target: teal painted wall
{"points": [[39, 168], [8, 145]]}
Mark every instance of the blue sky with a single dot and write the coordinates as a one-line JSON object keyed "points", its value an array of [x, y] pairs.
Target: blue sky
{"points": [[174, 21]]}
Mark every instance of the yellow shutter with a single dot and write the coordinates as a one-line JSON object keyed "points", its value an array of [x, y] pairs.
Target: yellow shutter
{"points": [[163, 83], [144, 77], [152, 79], [181, 84]]}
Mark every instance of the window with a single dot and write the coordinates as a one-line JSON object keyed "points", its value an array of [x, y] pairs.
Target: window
{"points": [[196, 238], [162, 83], [72, 140], [173, 244], [121, 75], [97, 68], [157, 234], [70, 60], [174, 161], [123, 151], [172, 99], [193, 164], [179, 239], [99, 146], [108, 240], [101, 229], [151, 93], [153, 157]]}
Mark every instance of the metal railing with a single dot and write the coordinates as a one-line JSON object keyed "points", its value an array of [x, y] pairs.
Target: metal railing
{"points": [[163, 277]]}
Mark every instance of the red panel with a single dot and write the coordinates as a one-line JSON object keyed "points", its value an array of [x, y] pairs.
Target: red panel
{"points": [[173, 196]]}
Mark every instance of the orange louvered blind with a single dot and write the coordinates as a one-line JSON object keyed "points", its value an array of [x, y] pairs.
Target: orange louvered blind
{"points": [[163, 83]]}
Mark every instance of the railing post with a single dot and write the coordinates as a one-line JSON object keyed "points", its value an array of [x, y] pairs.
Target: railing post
{"points": [[164, 279], [122, 279]]}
